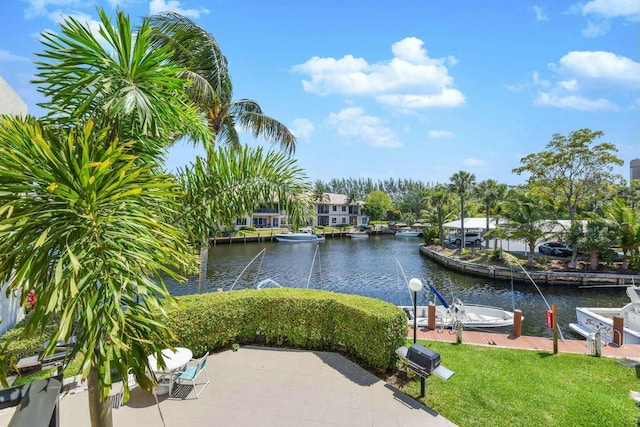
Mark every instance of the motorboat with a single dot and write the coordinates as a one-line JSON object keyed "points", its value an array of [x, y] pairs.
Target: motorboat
{"points": [[268, 284], [357, 234], [450, 315], [408, 232], [305, 235], [591, 320]]}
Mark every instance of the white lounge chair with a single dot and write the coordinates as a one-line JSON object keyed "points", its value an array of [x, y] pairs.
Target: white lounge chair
{"points": [[190, 372]]}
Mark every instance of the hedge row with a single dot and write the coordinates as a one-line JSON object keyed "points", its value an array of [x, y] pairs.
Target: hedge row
{"points": [[365, 329]]}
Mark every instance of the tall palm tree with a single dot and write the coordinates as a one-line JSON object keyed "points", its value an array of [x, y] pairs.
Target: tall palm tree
{"points": [[462, 183], [440, 197], [87, 226], [489, 192], [198, 52], [231, 183], [85, 217]]}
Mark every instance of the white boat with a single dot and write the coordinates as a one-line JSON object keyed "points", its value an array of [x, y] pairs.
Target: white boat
{"points": [[408, 232], [305, 235], [357, 234], [470, 315], [593, 319], [268, 284]]}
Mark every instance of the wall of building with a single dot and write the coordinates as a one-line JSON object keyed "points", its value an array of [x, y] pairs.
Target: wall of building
{"points": [[634, 167], [10, 102], [10, 311]]}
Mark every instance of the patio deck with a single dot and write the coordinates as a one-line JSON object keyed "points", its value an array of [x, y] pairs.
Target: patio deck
{"points": [[258, 386]]}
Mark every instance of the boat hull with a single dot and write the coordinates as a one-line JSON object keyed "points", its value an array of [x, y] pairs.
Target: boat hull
{"points": [[408, 234], [297, 237], [593, 319], [471, 316]]}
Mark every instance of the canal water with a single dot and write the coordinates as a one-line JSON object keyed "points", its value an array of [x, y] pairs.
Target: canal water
{"points": [[377, 267]]}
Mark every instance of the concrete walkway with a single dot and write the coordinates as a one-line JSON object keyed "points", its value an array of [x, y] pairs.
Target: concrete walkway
{"points": [[258, 386]]}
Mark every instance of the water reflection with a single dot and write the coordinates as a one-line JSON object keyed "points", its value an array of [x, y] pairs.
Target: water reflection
{"points": [[374, 268]]}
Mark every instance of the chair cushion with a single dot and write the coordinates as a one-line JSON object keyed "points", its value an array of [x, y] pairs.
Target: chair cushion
{"points": [[188, 373]]}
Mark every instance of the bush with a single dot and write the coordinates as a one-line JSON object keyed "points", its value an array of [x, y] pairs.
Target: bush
{"points": [[365, 329], [247, 228], [15, 344]]}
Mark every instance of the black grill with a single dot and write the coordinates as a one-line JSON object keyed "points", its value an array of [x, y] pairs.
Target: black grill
{"points": [[422, 360]]}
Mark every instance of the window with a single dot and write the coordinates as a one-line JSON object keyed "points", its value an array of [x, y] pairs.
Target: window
{"points": [[241, 221], [344, 220], [334, 208], [344, 209], [333, 220]]}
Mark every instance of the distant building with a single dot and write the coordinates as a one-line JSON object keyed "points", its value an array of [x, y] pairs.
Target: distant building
{"points": [[10, 310], [634, 169], [10, 101], [333, 211]]}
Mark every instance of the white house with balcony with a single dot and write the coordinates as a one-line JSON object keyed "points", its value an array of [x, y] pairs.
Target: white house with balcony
{"points": [[333, 210]]}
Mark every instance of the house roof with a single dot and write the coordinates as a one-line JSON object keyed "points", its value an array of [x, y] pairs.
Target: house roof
{"points": [[10, 101]]}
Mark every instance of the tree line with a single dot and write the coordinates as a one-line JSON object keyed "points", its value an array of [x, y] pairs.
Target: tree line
{"points": [[571, 179]]}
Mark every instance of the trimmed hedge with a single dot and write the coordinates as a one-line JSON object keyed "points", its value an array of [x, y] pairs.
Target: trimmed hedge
{"points": [[365, 329]]}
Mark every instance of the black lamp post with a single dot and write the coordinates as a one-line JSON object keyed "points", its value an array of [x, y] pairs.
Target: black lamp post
{"points": [[416, 286]]}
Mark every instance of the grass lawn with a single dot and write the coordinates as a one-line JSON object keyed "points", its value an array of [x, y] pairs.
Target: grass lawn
{"points": [[506, 387]]}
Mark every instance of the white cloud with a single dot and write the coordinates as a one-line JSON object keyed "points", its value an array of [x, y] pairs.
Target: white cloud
{"points": [[354, 124], [302, 129], [613, 8], [40, 7], [540, 15], [6, 56], [436, 134], [590, 80], [159, 6], [474, 162], [596, 29], [410, 80]]}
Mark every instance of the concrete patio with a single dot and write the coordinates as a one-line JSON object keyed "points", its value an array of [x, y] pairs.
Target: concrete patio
{"points": [[271, 387]]}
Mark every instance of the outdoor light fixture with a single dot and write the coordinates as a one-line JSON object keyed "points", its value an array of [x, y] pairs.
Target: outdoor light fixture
{"points": [[416, 286]]}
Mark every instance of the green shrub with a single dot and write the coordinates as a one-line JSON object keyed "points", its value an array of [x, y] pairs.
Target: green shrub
{"points": [[15, 344], [247, 228], [365, 329], [496, 254]]}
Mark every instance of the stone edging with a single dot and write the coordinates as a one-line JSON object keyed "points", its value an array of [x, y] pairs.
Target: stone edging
{"points": [[541, 277]]}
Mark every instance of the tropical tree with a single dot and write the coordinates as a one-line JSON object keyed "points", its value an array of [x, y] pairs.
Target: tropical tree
{"points": [[489, 192], [626, 219], [86, 225], [462, 183], [229, 184], [574, 169], [198, 52], [85, 218], [377, 203], [121, 82], [597, 238], [440, 197], [527, 221], [320, 193]]}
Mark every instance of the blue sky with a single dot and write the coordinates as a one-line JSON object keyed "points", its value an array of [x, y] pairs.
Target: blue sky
{"points": [[400, 89]]}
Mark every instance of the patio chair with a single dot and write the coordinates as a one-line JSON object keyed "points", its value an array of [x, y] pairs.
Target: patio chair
{"points": [[190, 372], [116, 397]]}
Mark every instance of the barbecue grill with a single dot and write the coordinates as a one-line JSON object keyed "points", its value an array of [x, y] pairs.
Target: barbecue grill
{"points": [[424, 361]]}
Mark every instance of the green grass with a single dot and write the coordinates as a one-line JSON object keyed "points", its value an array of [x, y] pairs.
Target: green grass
{"points": [[506, 387], [72, 369]]}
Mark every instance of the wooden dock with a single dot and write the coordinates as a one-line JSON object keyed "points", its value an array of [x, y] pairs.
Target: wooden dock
{"points": [[630, 351]]}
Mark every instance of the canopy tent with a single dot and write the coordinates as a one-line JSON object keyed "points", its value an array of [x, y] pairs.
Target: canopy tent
{"points": [[477, 223]]}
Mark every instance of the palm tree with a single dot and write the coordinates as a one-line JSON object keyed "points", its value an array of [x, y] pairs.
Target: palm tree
{"points": [[627, 222], [462, 182], [598, 237], [229, 184], [86, 225], [489, 192], [526, 221], [85, 216], [440, 197], [199, 53], [132, 88]]}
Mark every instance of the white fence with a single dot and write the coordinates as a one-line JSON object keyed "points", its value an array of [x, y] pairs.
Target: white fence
{"points": [[10, 310]]}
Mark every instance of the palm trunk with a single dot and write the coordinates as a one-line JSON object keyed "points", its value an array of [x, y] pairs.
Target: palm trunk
{"points": [[204, 258], [532, 248], [99, 410], [440, 228], [464, 237], [593, 260], [486, 242]]}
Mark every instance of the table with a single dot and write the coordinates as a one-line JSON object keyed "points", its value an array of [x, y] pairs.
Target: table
{"points": [[174, 360]]}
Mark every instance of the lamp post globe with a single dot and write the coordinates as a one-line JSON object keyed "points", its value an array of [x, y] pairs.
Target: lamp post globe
{"points": [[415, 284]]}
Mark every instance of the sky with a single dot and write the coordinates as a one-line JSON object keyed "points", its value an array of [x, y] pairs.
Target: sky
{"points": [[398, 89]]}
